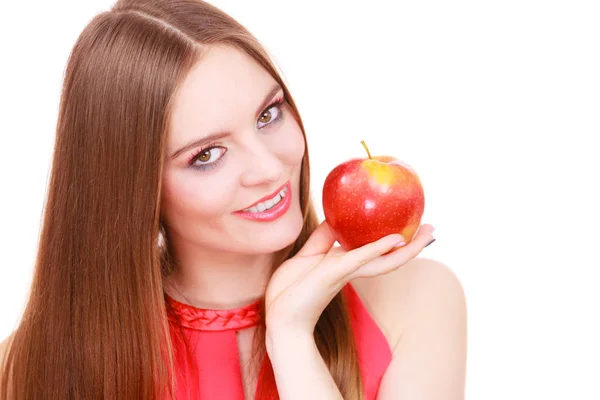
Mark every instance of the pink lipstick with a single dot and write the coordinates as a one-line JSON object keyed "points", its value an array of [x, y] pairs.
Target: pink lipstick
{"points": [[270, 207]]}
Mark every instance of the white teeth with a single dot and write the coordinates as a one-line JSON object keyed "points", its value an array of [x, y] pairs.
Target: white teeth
{"points": [[265, 205]]}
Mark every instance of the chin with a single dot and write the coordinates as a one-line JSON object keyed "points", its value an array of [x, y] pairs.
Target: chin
{"points": [[276, 235]]}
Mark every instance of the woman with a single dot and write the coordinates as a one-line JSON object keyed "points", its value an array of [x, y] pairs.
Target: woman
{"points": [[161, 273]]}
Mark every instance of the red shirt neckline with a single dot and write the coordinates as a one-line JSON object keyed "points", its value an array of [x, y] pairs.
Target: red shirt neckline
{"points": [[205, 319]]}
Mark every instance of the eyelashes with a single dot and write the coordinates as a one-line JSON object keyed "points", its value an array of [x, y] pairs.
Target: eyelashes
{"points": [[208, 149], [278, 102], [207, 166]]}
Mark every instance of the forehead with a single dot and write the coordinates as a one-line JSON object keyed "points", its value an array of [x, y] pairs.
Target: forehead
{"points": [[221, 91]]}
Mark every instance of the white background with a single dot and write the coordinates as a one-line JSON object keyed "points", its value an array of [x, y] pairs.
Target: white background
{"points": [[495, 104]]}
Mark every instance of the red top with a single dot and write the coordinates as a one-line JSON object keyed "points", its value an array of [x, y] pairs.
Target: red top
{"points": [[211, 336]]}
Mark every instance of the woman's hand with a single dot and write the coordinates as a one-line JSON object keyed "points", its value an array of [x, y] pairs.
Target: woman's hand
{"points": [[303, 286]]}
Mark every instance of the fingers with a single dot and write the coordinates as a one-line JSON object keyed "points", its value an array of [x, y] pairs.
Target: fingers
{"points": [[335, 270], [397, 257], [319, 242], [336, 266], [356, 258]]}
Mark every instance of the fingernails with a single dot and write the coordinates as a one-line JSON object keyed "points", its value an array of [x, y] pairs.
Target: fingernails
{"points": [[433, 240], [400, 244]]}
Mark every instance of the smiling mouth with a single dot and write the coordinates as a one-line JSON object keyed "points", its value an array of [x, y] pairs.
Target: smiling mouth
{"points": [[268, 202]]}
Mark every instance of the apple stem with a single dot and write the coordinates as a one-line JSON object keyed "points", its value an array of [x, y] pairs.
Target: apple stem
{"points": [[366, 148]]}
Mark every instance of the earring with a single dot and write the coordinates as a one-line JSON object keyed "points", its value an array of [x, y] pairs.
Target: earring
{"points": [[160, 240]]}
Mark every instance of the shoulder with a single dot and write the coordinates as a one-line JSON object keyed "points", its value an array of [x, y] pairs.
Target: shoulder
{"points": [[422, 307], [399, 299]]}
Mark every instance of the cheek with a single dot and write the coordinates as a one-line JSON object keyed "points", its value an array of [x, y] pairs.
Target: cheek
{"points": [[191, 197], [291, 145]]}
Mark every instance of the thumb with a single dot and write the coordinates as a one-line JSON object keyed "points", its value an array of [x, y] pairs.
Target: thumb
{"points": [[319, 242]]}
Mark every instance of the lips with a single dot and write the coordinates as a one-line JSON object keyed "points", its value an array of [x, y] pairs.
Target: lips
{"points": [[267, 197]]}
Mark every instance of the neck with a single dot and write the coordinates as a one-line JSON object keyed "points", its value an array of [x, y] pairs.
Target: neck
{"points": [[218, 280]]}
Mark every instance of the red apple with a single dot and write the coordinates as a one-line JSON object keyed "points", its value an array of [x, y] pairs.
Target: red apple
{"points": [[365, 199]]}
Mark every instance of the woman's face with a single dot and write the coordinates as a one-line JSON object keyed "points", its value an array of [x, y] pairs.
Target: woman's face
{"points": [[259, 149]]}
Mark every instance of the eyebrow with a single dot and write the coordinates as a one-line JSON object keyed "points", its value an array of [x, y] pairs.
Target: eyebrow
{"points": [[220, 135]]}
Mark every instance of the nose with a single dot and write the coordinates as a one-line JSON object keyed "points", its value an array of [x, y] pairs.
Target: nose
{"points": [[263, 166]]}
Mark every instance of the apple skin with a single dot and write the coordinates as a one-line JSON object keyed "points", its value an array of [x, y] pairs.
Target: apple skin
{"points": [[365, 199]]}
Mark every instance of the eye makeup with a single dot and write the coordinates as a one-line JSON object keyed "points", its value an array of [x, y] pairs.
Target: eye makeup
{"points": [[278, 102]]}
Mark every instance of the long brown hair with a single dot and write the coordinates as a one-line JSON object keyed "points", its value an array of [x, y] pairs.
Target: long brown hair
{"points": [[95, 325]]}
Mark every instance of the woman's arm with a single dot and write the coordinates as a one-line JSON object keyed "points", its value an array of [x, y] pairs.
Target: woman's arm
{"points": [[302, 287], [300, 371]]}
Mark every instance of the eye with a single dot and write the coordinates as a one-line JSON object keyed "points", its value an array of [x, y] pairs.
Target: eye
{"points": [[271, 114], [207, 158]]}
